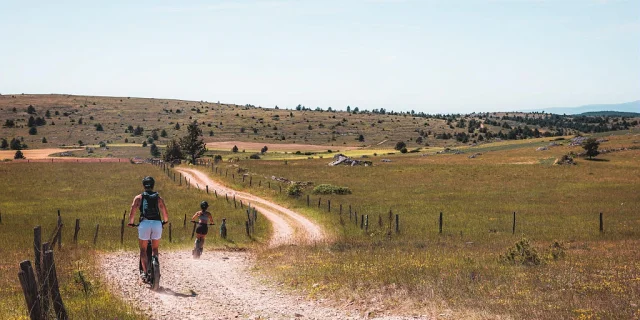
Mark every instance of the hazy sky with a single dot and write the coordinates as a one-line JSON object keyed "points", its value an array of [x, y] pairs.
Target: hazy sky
{"points": [[436, 56]]}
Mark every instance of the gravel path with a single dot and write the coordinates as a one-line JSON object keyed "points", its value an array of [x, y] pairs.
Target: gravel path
{"points": [[221, 285]]}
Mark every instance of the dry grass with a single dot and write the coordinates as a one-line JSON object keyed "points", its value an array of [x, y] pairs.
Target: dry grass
{"points": [[95, 193], [421, 271]]}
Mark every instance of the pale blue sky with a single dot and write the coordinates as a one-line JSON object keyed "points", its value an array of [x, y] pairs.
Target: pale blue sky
{"points": [[435, 56]]}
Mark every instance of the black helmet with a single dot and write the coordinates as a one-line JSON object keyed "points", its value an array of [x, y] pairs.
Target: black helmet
{"points": [[204, 205], [148, 182]]}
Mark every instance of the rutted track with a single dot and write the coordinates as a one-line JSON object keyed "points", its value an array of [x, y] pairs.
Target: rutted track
{"points": [[220, 285], [289, 227]]}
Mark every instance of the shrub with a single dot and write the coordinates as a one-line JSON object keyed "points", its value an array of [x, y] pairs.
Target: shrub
{"points": [[400, 145], [33, 131], [522, 254], [556, 251], [19, 155], [294, 190], [15, 144], [44, 140], [254, 156], [403, 150], [330, 189]]}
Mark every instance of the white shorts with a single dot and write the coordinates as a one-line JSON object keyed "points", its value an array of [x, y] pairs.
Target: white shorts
{"points": [[150, 230]]}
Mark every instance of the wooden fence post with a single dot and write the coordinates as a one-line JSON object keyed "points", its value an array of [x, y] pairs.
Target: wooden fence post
{"points": [[269, 184], [246, 225], [170, 238], [226, 196], [235, 205], [366, 223], [207, 189], [122, 231], [223, 229], [341, 209], [180, 178], [307, 200], [397, 223], [75, 231], [54, 290], [30, 289], [259, 183], [44, 284], [59, 235], [95, 236], [329, 205], [440, 224], [362, 221], [243, 176], [241, 206], [319, 200], [184, 222], [280, 186], [215, 192], [601, 223], [513, 228], [37, 247]]}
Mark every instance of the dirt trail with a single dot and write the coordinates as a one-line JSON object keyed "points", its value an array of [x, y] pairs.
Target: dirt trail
{"points": [[221, 285], [289, 227]]}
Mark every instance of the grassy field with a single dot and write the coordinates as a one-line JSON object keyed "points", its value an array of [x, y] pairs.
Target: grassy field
{"points": [[74, 119], [96, 193], [593, 275]]}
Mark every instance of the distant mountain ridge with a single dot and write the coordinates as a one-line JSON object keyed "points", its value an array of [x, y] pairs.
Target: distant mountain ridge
{"points": [[633, 106]]}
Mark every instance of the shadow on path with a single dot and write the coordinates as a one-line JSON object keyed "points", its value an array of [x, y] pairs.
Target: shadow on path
{"points": [[170, 292]]}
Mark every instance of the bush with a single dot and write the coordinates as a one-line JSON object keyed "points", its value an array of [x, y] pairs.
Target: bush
{"points": [[19, 155], [294, 190], [255, 156], [403, 150], [400, 145], [522, 254], [330, 189], [556, 251]]}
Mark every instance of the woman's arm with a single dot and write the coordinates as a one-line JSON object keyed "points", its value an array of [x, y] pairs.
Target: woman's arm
{"points": [[195, 216]]}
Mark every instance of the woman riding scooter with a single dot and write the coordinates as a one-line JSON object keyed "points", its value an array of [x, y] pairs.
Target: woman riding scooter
{"points": [[204, 219]]}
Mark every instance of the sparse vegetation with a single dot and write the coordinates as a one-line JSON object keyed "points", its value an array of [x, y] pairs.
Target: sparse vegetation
{"points": [[330, 189]]}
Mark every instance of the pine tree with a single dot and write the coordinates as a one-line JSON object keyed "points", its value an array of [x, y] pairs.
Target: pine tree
{"points": [[192, 144], [155, 152], [173, 152]]}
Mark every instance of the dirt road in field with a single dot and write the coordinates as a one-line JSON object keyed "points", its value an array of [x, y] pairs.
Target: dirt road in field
{"points": [[221, 285], [289, 227]]}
